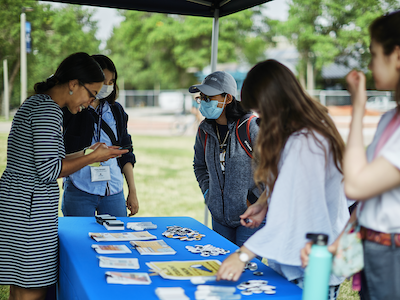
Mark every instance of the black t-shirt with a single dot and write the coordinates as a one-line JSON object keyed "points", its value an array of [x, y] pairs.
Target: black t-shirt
{"points": [[223, 135]]}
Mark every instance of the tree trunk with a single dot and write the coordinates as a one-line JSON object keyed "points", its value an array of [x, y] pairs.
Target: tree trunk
{"points": [[13, 76], [301, 77], [310, 75]]}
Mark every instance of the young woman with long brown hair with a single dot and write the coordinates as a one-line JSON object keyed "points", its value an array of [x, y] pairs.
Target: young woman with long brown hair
{"points": [[299, 154]]}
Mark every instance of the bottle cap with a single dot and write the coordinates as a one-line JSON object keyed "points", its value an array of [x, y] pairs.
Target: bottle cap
{"points": [[319, 239]]}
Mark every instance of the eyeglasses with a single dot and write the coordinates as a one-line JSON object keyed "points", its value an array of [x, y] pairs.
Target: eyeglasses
{"points": [[202, 97], [205, 98], [91, 96]]}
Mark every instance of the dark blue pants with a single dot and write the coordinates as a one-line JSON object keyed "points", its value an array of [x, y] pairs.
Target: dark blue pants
{"points": [[237, 235]]}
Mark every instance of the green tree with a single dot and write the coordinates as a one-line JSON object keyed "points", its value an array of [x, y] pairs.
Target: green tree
{"points": [[10, 35], [157, 49], [59, 33], [327, 31], [56, 33]]}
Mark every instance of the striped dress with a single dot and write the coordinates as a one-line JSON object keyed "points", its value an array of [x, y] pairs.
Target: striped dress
{"points": [[29, 195]]}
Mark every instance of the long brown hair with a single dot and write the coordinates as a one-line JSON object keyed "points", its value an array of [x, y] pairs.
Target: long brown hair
{"points": [[284, 107], [385, 30]]}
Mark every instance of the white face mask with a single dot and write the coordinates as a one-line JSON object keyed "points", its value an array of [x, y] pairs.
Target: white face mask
{"points": [[105, 91]]}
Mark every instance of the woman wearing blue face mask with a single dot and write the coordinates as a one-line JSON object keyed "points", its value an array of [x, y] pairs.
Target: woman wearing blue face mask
{"points": [[99, 188], [222, 167]]}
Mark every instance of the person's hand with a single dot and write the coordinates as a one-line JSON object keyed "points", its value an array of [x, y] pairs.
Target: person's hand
{"points": [[95, 145], [334, 246], [231, 268], [132, 203], [103, 153], [356, 85], [305, 252], [255, 214], [116, 147]]}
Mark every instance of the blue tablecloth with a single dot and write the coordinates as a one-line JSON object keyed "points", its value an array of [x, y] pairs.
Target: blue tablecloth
{"points": [[82, 278]]}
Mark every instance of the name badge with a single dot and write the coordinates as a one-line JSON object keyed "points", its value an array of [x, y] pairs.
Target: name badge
{"points": [[100, 173]]}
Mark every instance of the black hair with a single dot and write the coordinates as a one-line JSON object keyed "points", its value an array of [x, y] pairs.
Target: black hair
{"points": [[106, 63], [78, 66], [385, 30], [234, 110]]}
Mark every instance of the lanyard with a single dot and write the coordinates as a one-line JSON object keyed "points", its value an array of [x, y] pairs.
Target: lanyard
{"points": [[98, 130]]}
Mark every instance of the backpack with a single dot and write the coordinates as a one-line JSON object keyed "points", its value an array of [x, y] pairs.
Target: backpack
{"points": [[242, 134]]}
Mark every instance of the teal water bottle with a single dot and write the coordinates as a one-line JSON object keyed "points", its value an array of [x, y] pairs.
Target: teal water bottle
{"points": [[318, 271]]}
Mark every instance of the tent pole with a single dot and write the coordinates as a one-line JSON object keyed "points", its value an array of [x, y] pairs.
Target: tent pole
{"points": [[214, 58], [214, 41]]}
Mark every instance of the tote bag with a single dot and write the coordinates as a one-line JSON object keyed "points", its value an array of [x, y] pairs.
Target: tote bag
{"points": [[349, 258]]}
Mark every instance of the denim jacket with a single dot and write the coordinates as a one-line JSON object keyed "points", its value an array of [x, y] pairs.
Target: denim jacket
{"points": [[226, 198]]}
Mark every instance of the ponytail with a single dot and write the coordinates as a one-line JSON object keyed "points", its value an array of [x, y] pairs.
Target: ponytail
{"points": [[42, 87]]}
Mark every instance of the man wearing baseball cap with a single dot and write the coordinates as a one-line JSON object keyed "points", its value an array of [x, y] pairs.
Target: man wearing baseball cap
{"points": [[222, 167]]}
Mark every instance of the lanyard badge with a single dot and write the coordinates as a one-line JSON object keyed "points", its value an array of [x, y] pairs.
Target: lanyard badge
{"points": [[100, 173]]}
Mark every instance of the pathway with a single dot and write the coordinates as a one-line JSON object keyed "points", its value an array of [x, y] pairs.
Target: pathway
{"points": [[156, 121]]}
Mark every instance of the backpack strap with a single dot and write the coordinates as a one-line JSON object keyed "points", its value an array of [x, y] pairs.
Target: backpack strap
{"points": [[117, 114], [243, 133]]}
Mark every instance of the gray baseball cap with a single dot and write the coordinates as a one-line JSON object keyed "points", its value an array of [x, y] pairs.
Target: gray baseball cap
{"points": [[215, 84]]}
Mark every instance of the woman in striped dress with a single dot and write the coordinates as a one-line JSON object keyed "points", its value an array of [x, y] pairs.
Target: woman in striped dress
{"points": [[29, 192]]}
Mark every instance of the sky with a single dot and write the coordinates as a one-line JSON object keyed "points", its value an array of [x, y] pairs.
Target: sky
{"points": [[276, 9]]}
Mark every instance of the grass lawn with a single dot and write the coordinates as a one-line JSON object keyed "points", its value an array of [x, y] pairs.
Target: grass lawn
{"points": [[164, 177], [165, 183]]}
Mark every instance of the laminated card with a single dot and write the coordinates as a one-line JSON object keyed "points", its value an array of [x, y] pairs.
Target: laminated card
{"points": [[111, 249], [128, 278], [185, 270], [158, 247], [122, 236], [118, 263]]}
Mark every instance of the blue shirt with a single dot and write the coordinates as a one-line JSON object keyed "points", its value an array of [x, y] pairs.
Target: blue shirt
{"points": [[82, 178]]}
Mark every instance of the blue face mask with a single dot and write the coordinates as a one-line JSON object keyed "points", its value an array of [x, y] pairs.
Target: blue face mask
{"points": [[210, 110]]}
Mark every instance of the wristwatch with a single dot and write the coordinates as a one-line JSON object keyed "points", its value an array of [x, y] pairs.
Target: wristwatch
{"points": [[243, 257]]}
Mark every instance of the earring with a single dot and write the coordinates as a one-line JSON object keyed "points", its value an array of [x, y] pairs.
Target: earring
{"points": [[71, 92]]}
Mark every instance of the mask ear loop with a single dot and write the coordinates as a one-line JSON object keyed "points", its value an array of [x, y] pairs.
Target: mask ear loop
{"points": [[223, 104]]}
